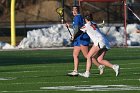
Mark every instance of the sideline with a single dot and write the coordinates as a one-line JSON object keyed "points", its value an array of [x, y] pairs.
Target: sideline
{"points": [[53, 48], [56, 48]]}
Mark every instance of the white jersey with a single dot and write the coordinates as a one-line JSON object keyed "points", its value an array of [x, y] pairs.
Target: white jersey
{"points": [[96, 36]]}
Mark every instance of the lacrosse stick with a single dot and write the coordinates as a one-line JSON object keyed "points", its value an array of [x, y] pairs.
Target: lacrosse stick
{"points": [[60, 12], [134, 13]]}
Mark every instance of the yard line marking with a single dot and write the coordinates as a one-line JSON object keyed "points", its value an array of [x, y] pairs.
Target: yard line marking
{"points": [[36, 71], [31, 71], [22, 91], [126, 80], [130, 64], [132, 79], [93, 88], [8, 78], [65, 82], [44, 66], [131, 68], [22, 72], [136, 73], [57, 48], [43, 83], [126, 68]]}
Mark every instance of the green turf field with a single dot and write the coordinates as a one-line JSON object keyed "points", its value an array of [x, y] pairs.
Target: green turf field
{"points": [[44, 71]]}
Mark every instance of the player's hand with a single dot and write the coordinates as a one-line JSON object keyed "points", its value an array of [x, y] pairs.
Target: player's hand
{"points": [[67, 25]]}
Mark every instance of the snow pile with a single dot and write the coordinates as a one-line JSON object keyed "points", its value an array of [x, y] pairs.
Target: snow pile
{"points": [[133, 37], [4, 45], [58, 36], [55, 36], [114, 35]]}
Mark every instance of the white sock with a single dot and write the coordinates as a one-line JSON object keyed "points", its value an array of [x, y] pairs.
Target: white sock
{"points": [[113, 66], [75, 70], [87, 71]]}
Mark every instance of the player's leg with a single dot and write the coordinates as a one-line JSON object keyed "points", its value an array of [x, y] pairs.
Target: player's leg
{"points": [[101, 59], [91, 55], [95, 62], [76, 52], [84, 50], [93, 51], [106, 62], [100, 66]]}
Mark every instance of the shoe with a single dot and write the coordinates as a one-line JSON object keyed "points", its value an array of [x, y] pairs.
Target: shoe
{"points": [[85, 74], [73, 73], [116, 69], [101, 68]]}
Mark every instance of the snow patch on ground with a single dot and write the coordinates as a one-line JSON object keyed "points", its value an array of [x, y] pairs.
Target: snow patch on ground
{"points": [[58, 36]]}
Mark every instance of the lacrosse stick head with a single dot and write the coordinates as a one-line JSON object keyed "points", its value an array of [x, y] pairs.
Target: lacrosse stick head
{"points": [[60, 11]]}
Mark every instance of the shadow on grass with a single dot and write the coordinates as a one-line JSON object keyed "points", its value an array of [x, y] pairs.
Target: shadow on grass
{"points": [[36, 60], [59, 56]]}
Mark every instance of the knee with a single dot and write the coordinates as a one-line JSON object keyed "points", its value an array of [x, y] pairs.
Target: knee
{"points": [[75, 56], [88, 57], [99, 59]]}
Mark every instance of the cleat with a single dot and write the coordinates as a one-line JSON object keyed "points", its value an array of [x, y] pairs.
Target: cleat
{"points": [[116, 69], [73, 73], [85, 74], [101, 68]]}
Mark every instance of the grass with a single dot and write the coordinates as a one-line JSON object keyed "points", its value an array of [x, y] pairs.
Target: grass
{"points": [[41, 71]]}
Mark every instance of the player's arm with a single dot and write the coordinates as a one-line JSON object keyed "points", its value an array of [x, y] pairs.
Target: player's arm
{"points": [[83, 29]]}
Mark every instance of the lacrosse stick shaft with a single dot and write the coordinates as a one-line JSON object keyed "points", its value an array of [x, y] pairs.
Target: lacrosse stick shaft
{"points": [[69, 31], [134, 13]]}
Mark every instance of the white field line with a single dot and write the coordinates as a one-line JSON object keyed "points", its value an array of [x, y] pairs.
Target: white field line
{"points": [[23, 91], [32, 67], [32, 83], [24, 72], [8, 78], [51, 66], [130, 64], [94, 88], [126, 80], [136, 73], [36, 71], [44, 83], [131, 68], [132, 79], [82, 88], [57, 48], [82, 65]]}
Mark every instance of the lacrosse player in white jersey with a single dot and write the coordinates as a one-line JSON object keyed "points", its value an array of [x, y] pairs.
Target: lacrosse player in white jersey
{"points": [[99, 47]]}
